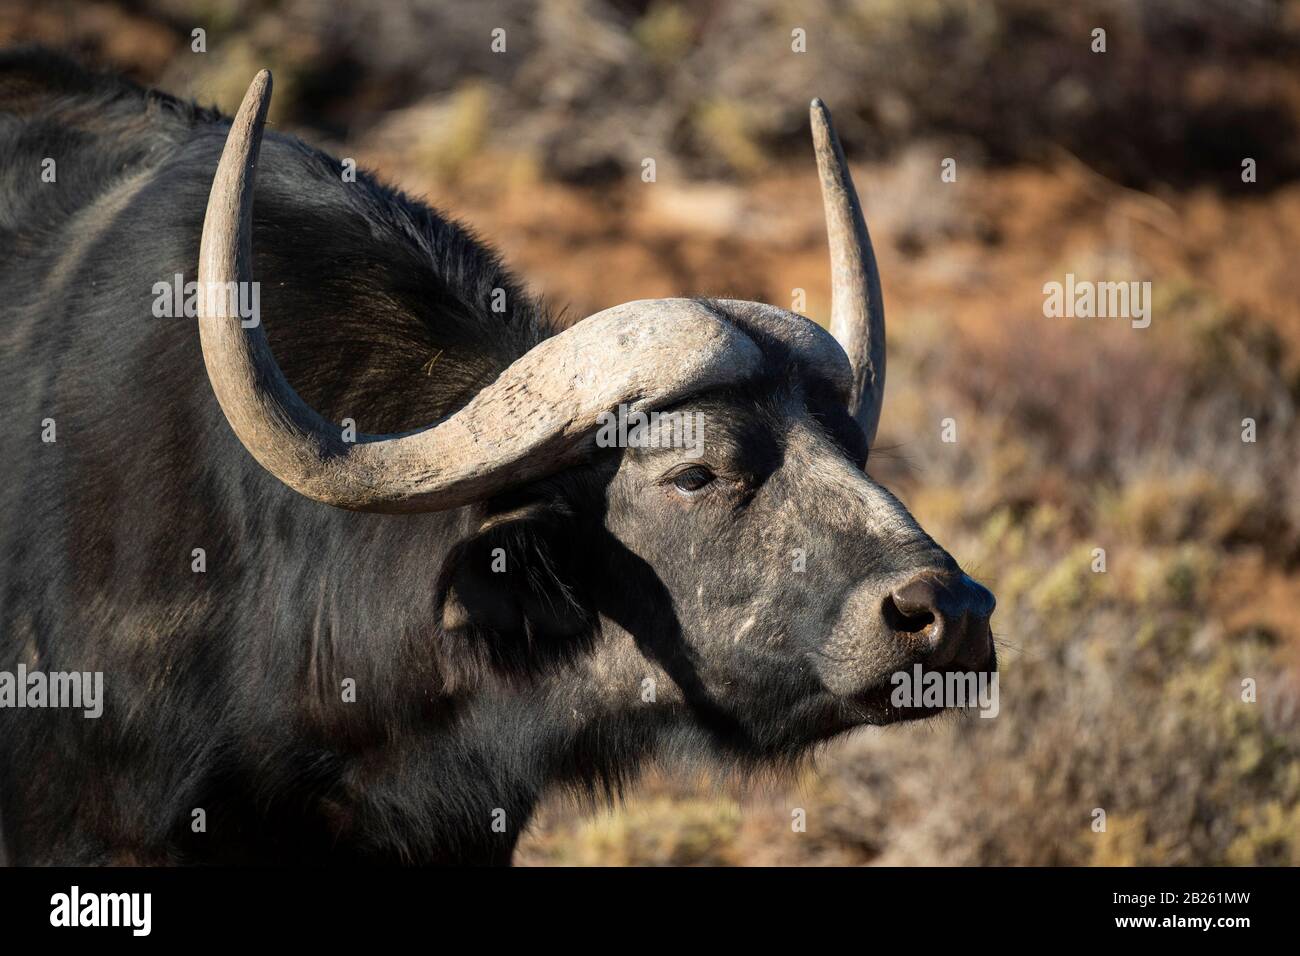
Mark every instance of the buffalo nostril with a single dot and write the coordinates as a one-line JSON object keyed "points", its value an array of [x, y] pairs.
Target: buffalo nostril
{"points": [[906, 617], [908, 622]]}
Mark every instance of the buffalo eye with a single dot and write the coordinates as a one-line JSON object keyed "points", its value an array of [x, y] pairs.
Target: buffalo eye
{"points": [[692, 479]]}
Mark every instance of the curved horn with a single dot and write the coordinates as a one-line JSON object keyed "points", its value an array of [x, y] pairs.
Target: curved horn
{"points": [[857, 310], [534, 419], [810, 344]]}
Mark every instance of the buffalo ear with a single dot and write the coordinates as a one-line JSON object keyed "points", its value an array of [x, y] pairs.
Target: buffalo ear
{"points": [[512, 596]]}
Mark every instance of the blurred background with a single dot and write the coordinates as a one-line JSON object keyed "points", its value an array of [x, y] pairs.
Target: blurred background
{"points": [[1121, 690]]}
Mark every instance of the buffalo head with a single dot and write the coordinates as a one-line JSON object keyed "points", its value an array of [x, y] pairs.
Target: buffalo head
{"points": [[754, 579]]}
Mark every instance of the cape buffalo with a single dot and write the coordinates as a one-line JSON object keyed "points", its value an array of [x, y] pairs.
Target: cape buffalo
{"points": [[361, 580]]}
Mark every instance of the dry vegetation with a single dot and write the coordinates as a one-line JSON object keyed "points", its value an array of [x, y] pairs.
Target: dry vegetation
{"points": [[1121, 690]]}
